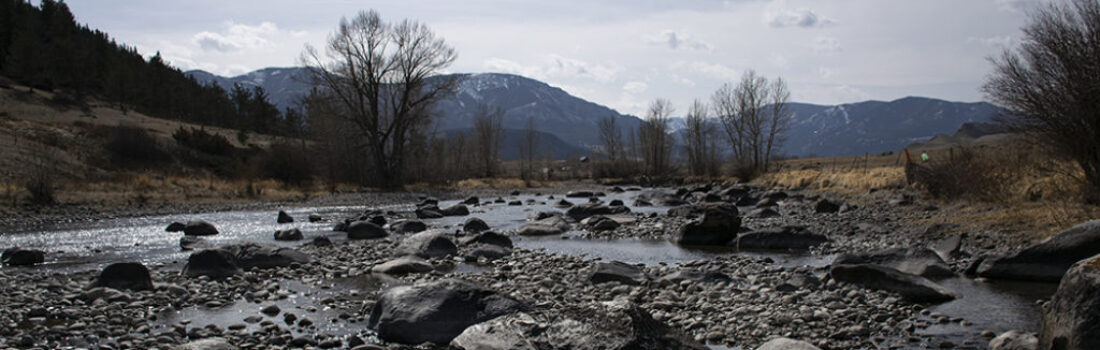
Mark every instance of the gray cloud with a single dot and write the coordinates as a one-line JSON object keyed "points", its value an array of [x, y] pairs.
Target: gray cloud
{"points": [[215, 42], [804, 18], [676, 41]]}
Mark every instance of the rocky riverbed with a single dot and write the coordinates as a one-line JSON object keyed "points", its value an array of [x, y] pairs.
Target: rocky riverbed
{"points": [[325, 291]]}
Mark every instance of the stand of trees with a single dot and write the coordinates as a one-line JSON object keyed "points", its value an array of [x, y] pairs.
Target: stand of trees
{"points": [[43, 47]]}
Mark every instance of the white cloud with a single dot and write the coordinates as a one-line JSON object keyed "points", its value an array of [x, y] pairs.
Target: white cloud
{"points": [[675, 41], [801, 17], [1016, 5], [635, 87], [996, 42], [712, 70], [826, 45], [238, 36], [555, 66], [826, 72]]}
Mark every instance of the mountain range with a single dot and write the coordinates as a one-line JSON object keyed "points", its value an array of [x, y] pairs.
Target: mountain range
{"points": [[570, 124]]}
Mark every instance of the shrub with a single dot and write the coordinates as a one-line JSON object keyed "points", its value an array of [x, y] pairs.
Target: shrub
{"points": [[134, 143], [40, 184], [287, 163], [202, 141]]}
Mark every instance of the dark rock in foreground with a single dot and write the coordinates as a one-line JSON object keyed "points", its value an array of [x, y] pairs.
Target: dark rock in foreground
{"points": [[718, 226], [474, 225], [213, 263], [288, 235], [616, 325], [175, 227], [125, 276], [193, 243], [22, 257], [1048, 260], [1071, 321], [919, 261], [427, 244], [199, 228], [617, 271], [436, 312], [487, 237], [783, 238], [408, 226], [284, 218], [911, 287], [365, 230], [255, 255]]}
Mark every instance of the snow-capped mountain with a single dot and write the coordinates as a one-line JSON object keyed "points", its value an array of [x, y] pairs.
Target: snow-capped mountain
{"points": [[868, 127]]}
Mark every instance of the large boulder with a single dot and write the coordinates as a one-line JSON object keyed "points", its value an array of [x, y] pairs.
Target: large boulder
{"points": [[919, 261], [580, 194], [213, 263], [403, 265], [365, 230], [617, 271], [1013, 340], [427, 244], [284, 218], [825, 206], [582, 211], [600, 223], [199, 228], [125, 275], [782, 238], [552, 225], [437, 311], [717, 226], [263, 256], [292, 234], [487, 237], [1048, 260], [614, 325], [455, 210], [22, 257], [911, 287], [1071, 321], [188, 243], [408, 226], [474, 225], [175, 227], [786, 344]]}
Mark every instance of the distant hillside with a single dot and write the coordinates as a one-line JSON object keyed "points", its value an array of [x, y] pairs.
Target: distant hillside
{"points": [[545, 142], [875, 126], [868, 127], [967, 135]]}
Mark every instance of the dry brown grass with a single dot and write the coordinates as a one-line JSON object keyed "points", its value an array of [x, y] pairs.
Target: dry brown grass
{"points": [[839, 181], [1029, 220]]}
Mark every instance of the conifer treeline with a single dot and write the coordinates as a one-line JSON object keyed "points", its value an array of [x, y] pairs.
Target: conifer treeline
{"points": [[43, 47]]}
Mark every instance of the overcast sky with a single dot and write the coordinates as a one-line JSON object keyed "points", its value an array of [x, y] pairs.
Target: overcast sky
{"points": [[622, 54]]}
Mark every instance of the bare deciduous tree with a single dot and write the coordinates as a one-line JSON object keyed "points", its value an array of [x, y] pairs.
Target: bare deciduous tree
{"points": [[376, 76], [700, 145], [653, 138], [612, 139], [528, 150], [1051, 84], [488, 134], [754, 116]]}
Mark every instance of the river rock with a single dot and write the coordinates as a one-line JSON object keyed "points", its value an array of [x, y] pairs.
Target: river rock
{"points": [[562, 203], [919, 261], [188, 243], [175, 227], [911, 287], [408, 226], [456, 210], [1013, 340], [617, 271], [199, 228], [213, 263], [125, 275], [488, 251], [403, 265], [365, 230], [255, 255], [288, 235], [1048, 260], [436, 311], [284, 218], [579, 194], [474, 225], [582, 211], [487, 237], [825, 206], [22, 257], [206, 344], [692, 275], [718, 226], [427, 244], [660, 198], [600, 223], [1071, 321], [429, 212], [786, 344], [782, 238], [947, 247], [321, 241], [553, 225], [615, 325], [471, 200], [315, 218]]}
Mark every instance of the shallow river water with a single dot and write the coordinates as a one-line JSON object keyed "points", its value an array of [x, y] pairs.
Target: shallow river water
{"points": [[996, 306]]}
